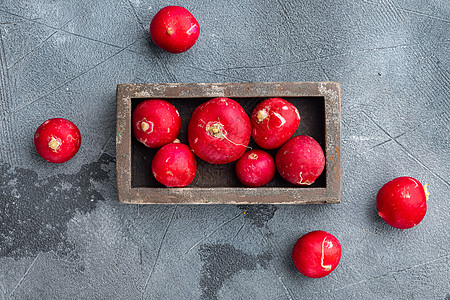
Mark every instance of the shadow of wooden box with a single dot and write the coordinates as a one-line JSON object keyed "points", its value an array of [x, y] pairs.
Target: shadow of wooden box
{"points": [[319, 104]]}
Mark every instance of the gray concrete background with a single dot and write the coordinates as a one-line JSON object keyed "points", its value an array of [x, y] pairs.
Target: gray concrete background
{"points": [[64, 236]]}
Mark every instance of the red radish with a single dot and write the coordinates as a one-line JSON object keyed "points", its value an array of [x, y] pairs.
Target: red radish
{"points": [[174, 29], [219, 131], [57, 140], [255, 168], [156, 123], [316, 254], [274, 121], [174, 165], [301, 160], [402, 202]]}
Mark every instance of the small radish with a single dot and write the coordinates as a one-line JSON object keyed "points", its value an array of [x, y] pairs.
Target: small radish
{"points": [[219, 131], [301, 160], [255, 168], [274, 121], [174, 29], [316, 254], [402, 202], [174, 165], [57, 140], [156, 123]]}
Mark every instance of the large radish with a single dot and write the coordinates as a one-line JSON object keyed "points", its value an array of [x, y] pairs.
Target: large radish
{"points": [[219, 131]]}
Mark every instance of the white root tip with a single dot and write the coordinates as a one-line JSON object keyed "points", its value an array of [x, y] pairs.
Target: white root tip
{"points": [[54, 144], [253, 156], [262, 114], [427, 193], [146, 126]]}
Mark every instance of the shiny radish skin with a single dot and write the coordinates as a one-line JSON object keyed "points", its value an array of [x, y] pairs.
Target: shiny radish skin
{"points": [[274, 121], [255, 168], [402, 202], [57, 140], [219, 131], [156, 123], [174, 29], [300, 160], [174, 165], [316, 254]]}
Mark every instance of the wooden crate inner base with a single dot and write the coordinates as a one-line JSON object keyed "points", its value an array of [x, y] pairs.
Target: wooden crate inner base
{"points": [[312, 123]]}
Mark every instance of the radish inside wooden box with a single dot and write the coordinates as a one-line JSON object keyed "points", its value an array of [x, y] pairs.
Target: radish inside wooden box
{"points": [[319, 107]]}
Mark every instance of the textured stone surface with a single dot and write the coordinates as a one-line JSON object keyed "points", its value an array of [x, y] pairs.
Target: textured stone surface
{"points": [[64, 236]]}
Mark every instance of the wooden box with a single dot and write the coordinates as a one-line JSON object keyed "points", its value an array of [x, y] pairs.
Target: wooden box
{"points": [[319, 104]]}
